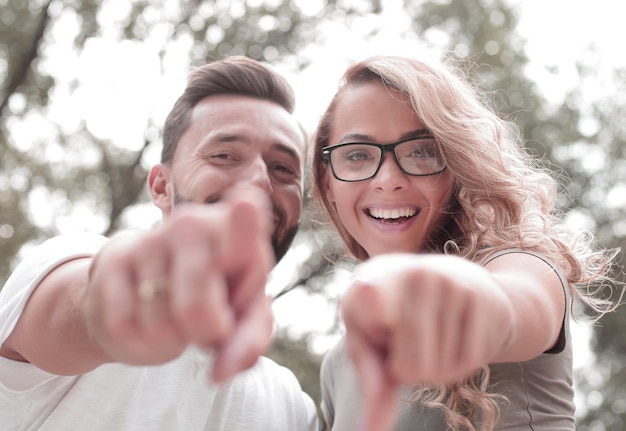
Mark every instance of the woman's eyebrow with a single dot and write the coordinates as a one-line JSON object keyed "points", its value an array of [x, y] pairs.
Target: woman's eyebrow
{"points": [[415, 134], [357, 137]]}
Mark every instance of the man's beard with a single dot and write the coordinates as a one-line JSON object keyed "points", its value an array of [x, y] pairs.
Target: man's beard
{"points": [[279, 245]]}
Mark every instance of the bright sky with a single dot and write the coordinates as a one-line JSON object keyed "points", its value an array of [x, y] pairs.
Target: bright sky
{"points": [[557, 33]]}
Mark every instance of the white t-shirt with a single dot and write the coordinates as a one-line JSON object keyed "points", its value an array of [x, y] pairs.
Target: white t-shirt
{"points": [[174, 396]]}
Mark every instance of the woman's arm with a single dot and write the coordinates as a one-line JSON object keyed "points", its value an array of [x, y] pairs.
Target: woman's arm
{"points": [[436, 318]]}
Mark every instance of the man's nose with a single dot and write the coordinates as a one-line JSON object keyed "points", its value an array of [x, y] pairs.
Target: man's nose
{"points": [[259, 175]]}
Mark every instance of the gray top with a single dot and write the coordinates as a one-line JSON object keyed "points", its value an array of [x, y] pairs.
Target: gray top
{"points": [[540, 391]]}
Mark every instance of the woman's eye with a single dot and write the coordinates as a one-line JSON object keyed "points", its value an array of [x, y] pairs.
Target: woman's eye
{"points": [[356, 156], [424, 152]]}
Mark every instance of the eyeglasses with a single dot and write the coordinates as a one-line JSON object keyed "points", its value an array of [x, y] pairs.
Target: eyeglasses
{"points": [[359, 161]]}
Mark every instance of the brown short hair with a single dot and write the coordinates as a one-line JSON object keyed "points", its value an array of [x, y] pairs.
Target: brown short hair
{"points": [[233, 75]]}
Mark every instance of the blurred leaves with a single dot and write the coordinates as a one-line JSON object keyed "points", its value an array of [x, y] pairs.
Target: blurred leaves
{"points": [[55, 173], [101, 175]]}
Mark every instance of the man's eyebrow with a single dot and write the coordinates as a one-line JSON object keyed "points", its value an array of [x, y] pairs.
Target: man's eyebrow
{"points": [[360, 137], [235, 137], [229, 137], [287, 150], [216, 138]]}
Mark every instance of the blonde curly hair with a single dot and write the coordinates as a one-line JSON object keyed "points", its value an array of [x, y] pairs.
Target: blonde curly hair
{"points": [[502, 199]]}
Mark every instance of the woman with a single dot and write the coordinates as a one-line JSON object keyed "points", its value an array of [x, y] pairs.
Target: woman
{"points": [[459, 318]]}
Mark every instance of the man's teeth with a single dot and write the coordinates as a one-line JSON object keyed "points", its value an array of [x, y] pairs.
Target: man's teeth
{"points": [[392, 213]]}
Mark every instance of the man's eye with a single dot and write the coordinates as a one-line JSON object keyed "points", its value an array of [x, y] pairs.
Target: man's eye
{"points": [[212, 199], [284, 169], [224, 156]]}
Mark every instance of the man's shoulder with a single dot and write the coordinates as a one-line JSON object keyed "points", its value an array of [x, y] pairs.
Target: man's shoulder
{"points": [[281, 387], [82, 243], [267, 371]]}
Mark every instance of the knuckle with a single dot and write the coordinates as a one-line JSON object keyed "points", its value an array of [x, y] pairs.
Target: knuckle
{"points": [[114, 328], [200, 323], [184, 225]]}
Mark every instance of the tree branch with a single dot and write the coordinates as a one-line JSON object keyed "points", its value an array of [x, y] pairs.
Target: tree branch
{"points": [[21, 71]]}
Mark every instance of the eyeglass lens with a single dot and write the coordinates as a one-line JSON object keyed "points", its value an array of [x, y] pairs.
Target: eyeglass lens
{"points": [[359, 161]]}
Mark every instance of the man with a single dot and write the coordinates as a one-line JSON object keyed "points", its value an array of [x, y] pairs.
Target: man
{"points": [[154, 329]]}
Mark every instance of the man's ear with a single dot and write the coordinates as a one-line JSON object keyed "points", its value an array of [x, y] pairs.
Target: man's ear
{"points": [[161, 189]]}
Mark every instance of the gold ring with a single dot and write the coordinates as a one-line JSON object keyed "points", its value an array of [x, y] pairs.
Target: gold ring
{"points": [[149, 289]]}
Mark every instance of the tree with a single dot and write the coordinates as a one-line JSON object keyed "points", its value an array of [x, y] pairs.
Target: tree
{"points": [[598, 159], [52, 172], [98, 174]]}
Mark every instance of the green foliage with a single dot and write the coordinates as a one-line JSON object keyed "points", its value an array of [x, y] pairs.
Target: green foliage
{"points": [[99, 175], [295, 355]]}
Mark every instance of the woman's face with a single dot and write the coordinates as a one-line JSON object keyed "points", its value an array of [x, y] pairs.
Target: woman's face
{"points": [[392, 211]]}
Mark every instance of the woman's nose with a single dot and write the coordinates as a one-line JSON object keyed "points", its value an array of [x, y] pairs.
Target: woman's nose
{"points": [[389, 176]]}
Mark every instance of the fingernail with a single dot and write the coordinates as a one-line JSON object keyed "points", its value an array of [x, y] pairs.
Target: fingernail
{"points": [[228, 362]]}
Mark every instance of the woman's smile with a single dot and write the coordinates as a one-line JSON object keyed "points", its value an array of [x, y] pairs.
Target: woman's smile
{"points": [[391, 211]]}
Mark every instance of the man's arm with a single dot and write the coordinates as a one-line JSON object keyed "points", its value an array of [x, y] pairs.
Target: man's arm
{"points": [[214, 260], [51, 332]]}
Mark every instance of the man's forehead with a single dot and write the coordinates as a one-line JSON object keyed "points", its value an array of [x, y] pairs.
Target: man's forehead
{"points": [[240, 106], [246, 133], [248, 120]]}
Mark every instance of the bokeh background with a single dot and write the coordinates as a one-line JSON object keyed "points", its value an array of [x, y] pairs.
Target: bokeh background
{"points": [[85, 86]]}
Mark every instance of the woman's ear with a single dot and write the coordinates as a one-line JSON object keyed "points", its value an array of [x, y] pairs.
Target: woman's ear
{"points": [[161, 189], [327, 190]]}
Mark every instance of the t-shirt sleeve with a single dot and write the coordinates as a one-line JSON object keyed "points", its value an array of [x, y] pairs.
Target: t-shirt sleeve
{"points": [[39, 262], [35, 266], [561, 341], [298, 404]]}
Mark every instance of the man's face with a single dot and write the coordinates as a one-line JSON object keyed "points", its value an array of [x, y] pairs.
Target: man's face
{"points": [[236, 141]]}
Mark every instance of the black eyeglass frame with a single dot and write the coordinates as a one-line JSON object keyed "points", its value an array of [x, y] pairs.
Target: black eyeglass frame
{"points": [[384, 148]]}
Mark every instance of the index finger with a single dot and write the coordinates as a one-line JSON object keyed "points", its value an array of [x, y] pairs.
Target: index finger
{"points": [[368, 340], [379, 404], [199, 294], [249, 256]]}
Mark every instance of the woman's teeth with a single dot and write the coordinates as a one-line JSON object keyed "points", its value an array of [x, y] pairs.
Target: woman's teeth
{"points": [[392, 214]]}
